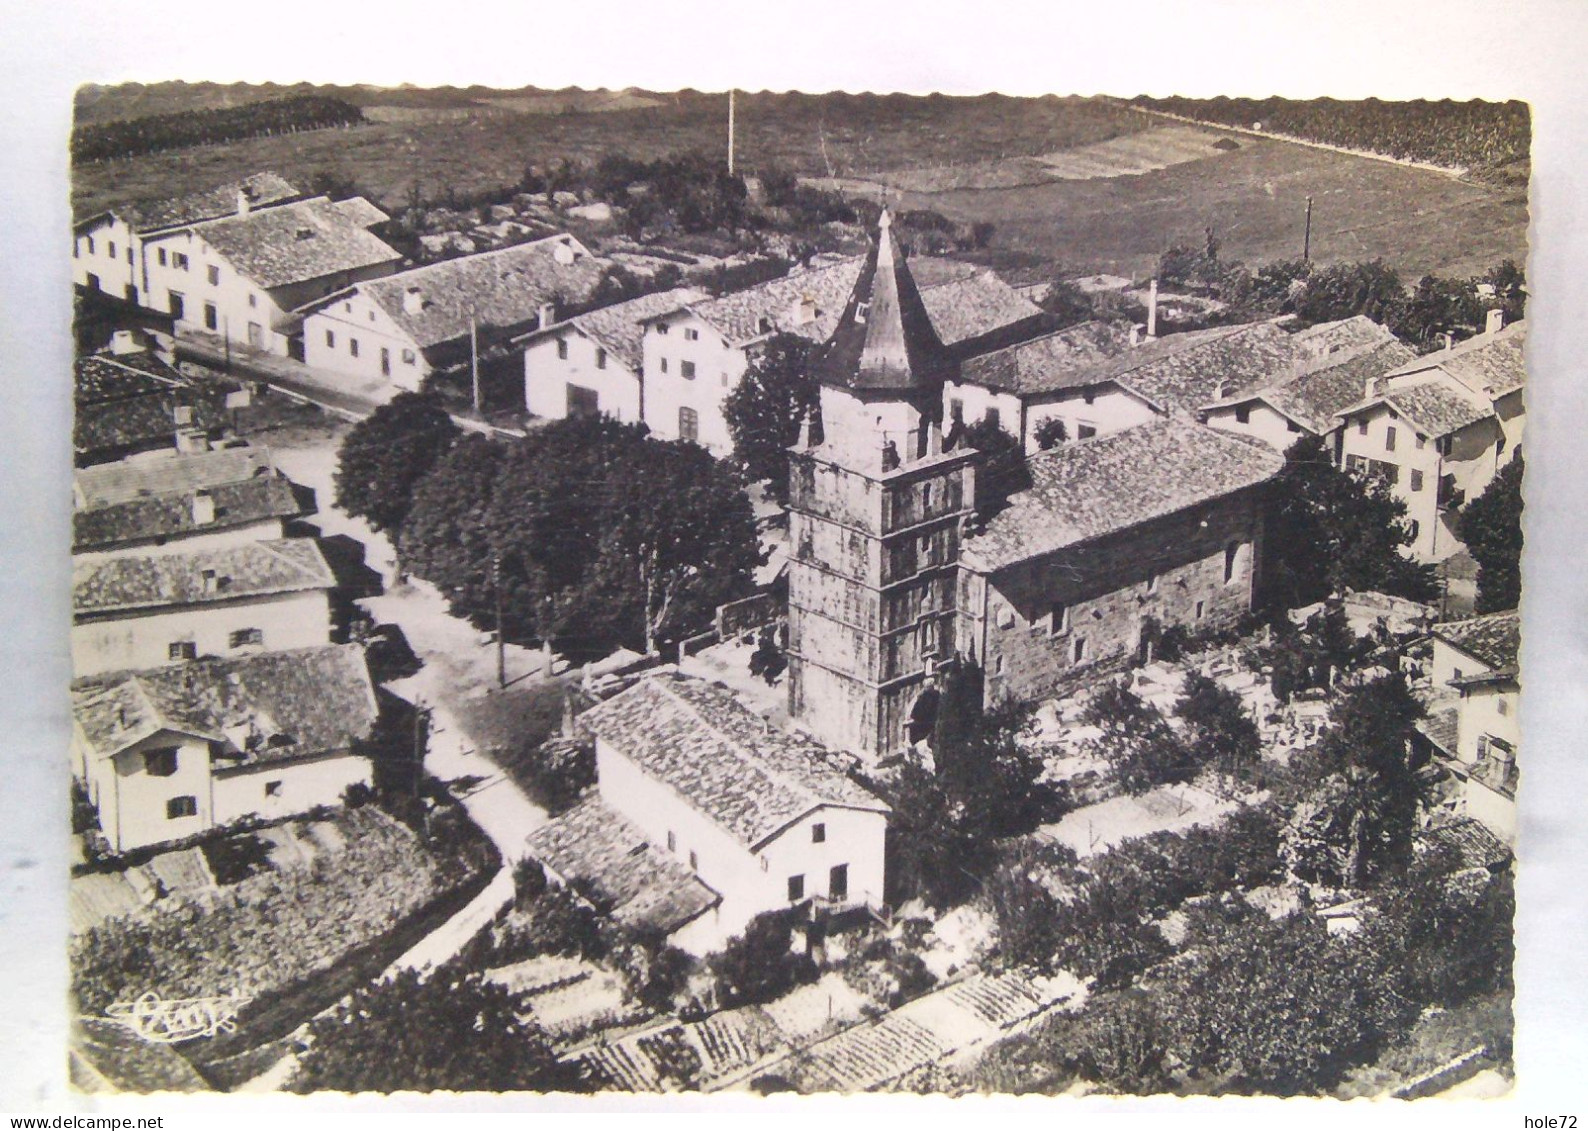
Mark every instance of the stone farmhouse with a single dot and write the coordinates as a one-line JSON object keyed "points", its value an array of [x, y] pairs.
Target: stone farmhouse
{"points": [[171, 753], [394, 332], [143, 610], [1438, 429], [728, 814], [890, 581], [1472, 726], [242, 276], [128, 402], [108, 247]]}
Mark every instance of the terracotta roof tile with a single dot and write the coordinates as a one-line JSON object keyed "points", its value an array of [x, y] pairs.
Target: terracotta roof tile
{"points": [[172, 515], [1488, 361], [974, 306], [748, 777], [293, 243], [262, 189], [1048, 364], [621, 326], [1435, 407], [109, 483], [1495, 639], [1318, 388], [151, 581]]}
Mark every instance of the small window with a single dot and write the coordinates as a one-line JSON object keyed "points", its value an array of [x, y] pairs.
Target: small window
{"points": [[179, 807], [818, 833], [601, 359], [1085, 431], [1200, 609], [1420, 442], [1243, 414], [1078, 650], [213, 273], [161, 253], [408, 357], [330, 339], [1389, 438], [1445, 445], [372, 316], [352, 346], [688, 425], [182, 650], [211, 316], [686, 370], [796, 888], [1416, 528], [1416, 480], [691, 335], [1058, 618], [956, 409], [861, 310], [253, 301], [246, 637], [1502, 705], [1232, 558], [694, 861], [179, 260], [90, 240], [926, 498], [385, 361], [562, 349], [661, 327], [1361, 427], [273, 788], [672, 841], [998, 664], [991, 417], [1088, 396], [663, 364], [112, 249], [766, 865], [160, 763]]}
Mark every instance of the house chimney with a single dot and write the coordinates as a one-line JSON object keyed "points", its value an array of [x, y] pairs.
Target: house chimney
{"points": [[564, 254], [805, 431], [1152, 310], [244, 205], [1370, 389], [548, 311], [1493, 321], [122, 342], [803, 312], [1135, 335], [212, 583], [1450, 341], [934, 439], [413, 301], [203, 508], [1219, 390]]}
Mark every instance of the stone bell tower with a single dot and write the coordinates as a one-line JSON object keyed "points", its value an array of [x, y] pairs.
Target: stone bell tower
{"points": [[876, 514]]}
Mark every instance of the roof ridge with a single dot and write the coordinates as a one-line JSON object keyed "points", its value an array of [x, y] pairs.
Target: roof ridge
{"points": [[475, 257]]}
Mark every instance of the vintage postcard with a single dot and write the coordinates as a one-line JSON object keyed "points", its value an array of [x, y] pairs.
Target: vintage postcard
{"points": [[659, 591]]}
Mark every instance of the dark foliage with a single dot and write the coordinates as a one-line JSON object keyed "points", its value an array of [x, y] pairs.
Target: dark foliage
{"points": [[1051, 433], [444, 538], [768, 661], [232, 859], [1137, 741], [1002, 470], [1491, 527], [385, 455], [760, 965], [134, 136], [765, 409], [1220, 732]]}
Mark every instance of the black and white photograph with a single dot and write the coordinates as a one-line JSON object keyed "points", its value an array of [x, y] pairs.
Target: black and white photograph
{"points": [[652, 591]]}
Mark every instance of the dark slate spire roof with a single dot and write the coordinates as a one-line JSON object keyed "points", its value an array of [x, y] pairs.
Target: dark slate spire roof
{"points": [[885, 339]]}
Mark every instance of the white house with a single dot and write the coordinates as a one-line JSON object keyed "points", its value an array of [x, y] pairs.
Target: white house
{"points": [[595, 362], [107, 247], [1476, 661], [395, 331], [142, 610], [763, 817], [242, 276], [171, 753], [1439, 428]]}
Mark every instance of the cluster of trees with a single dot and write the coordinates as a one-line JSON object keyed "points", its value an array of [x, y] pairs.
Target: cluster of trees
{"points": [[1464, 135], [1146, 751], [133, 137], [1491, 527], [585, 536]]}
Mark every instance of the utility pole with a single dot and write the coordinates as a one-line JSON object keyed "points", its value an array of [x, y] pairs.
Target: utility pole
{"points": [[1306, 240], [226, 341], [474, 365], [730, 132], [419, 744], [501, 645]]}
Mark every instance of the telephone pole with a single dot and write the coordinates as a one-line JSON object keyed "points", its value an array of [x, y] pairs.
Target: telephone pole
{"points": [[1306, 240], [474, 365], [730, 132], [501, 644]]}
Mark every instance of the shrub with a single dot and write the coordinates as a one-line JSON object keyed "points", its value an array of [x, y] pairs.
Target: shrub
{"points": [[760, 965]]}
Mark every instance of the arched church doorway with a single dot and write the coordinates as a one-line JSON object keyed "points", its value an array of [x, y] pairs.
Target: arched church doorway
{"points": [[923, 716]]}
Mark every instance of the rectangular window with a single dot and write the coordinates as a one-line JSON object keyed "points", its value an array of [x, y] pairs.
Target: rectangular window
{"points": [[1389, 438], [112, 249], [926, 499], [663, 364], [385, 362], [1502, 705], [162, 256], [838, 882], [796, 888], [691, 335], [181, 650], [672, 841], [160, 763], [1243, 414], [562, 349], [211, 316], [352, 346], [694, 861], [1058, 618], [246, 637], [1361, 427], [688, 425], [330, 339], [1200, 609], [991, 417], [93, 282], [601, 359], [90, 240], [214, 275], [1421, 442], [1085, 431], [1416, 480], [583, 402], [818, 833], [179, 807], [179, 260], [686, 370], [178, 308], [273, 788], [1232, 559], [1078, 652], [256, 335], [1444, 445], [408, 357], [253, 301]]}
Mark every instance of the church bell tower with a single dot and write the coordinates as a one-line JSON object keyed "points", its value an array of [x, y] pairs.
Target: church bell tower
{"points": [[876, 513]]}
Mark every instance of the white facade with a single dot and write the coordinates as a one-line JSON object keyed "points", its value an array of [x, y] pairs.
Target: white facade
{"points": [[1257, 420], [281, 789], [568, 373], [751, 879], [689, 369], [105, 258], [355, 337], [1086, 412], [221, 628]]}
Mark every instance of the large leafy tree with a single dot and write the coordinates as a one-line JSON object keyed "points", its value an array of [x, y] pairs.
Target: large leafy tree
{"points": [[1219, 731], [1491, 526], [764, 411], [1136, 740], [761, 964], [446, 1030], [1328, 531], [386, 454], [1345, 290], [444, 537]]}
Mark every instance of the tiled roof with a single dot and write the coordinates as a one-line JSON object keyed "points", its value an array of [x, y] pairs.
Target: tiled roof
{"points": [[1353, 334], [1190, 376], [1096, 487], [294, 243], [1474, 845], [111, 425], [748, 777], [1047, 364], [171, 516], [737, 316], [100, 377], [502, 289], [621, 326], [253, 569], [1495, 639], [974, 306], [1317, 389], [262, 189], [266, 707], [1440, 727], [357, 210], [1435, 407], [645, 886], [1488, 361], [109, 483]]}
